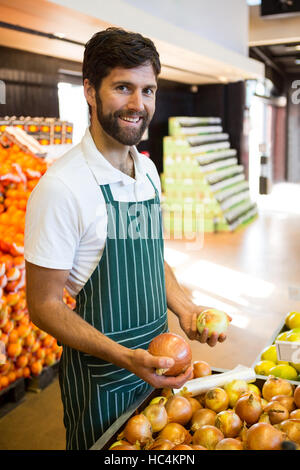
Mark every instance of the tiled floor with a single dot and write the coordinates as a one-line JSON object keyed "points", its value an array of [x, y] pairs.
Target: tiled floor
{"points": [[253, 274]]}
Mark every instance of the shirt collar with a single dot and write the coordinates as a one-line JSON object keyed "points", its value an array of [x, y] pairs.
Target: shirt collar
{"points": [[103, 171]]}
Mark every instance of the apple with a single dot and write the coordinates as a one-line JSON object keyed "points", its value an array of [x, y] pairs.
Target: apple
{"points": [[215, 320]]}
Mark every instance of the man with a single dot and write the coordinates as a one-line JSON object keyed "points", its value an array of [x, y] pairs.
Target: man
{"points": [[93, 225]]}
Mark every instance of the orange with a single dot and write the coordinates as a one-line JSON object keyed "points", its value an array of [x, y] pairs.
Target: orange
{"points": [[12, 376], [13, 350], [13, 336], [48, 341], [36, 368], [22, 361], [23, 331], [30, 340], [26, 372], [4, 382], [41, 353], [8, 327], [50, 359]]}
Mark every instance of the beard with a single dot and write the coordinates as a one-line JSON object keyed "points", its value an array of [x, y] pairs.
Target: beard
{"points": [[111, 125]]}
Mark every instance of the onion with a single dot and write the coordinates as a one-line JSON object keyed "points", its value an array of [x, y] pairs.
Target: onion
{"points": [[201, 369], [182, 447], [179, 410], [201, 398], [215, 320], [160, 444], [122, 443], [276, 386], [264, 418], [229, 444], [208, 436], [161, 399], [277, 412], [297, 396], [137, 429], [197, 447], [287, 402], [295, 414], [175, 433], [194, 404], [125, 447], [263, 436], [235, 389], [249, 408], [202, 417], [174, 346], [229, 423], [216, 399], [157, 415], [291, 427]]}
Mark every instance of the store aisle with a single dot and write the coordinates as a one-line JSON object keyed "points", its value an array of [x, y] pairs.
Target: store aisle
{"points": [[254, 274]]}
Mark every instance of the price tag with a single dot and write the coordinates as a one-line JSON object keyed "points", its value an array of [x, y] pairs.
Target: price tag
{"points": [[288, 351]]}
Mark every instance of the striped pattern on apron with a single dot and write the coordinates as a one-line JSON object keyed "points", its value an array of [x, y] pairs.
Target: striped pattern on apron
{"points": [[125, 299]]}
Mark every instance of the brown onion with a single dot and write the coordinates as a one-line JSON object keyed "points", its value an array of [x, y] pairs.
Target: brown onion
{"points": [[216, 399], [174, 346], [201, 398], [276, 411], [229, 423], [202, 417], [198, 447], [229, 444], [125, 447], [295, 414], [297, 396], [160, 444], [276, 386], [263, 436], [264, 418], [121, 443], [179, 410], [175, 433], [157, 415], [249, 408], [291, 427], [208, 436], [287, 402], [235, 389], [182, 447], [137, 429], [201, 369]]}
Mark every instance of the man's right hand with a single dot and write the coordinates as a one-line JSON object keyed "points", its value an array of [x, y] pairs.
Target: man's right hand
{"points": [[144, 365]]}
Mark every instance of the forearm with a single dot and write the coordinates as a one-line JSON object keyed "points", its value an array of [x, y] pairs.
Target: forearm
{"points": [[57, 319], [177, 300]]}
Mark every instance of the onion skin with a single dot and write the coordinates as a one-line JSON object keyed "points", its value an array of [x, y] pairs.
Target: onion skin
{"points": [[229, 423], [125, 447], [160, 444], [276, 386], [276, 411], [203, 417], [157, 415], [138, 429], [182, 447], [248, 408], [201, 369], [235, 389], [174, 346], [216, 399], [263, 436], [208, 436], [287, 402], [197, 447], [179, 410], [175, 433], [291, 427], [295, 414], [229, 444], [297, 396]]}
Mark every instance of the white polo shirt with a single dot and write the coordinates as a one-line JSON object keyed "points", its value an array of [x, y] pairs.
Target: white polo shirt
{"points": [[66, 217]]}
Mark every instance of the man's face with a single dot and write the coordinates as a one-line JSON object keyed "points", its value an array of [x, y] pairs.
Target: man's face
{"points": [[126, 103]]}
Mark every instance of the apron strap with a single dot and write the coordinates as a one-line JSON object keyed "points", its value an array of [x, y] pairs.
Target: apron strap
{"points": [[156, 192], [107, 194]]}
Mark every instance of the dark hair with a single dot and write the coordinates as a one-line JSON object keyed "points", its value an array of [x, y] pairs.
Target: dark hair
{"points": [[115, 47]]}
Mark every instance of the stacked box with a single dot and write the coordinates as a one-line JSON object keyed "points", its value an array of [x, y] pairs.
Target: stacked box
{"points": [[47, 131], [201, 168]]}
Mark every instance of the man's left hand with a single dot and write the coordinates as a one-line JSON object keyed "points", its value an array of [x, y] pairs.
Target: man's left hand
{"points": [[188, 322]]}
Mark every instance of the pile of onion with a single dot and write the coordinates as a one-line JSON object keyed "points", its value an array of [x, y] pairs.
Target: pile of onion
{"points": [[176, 433], [263, 436], [173, 346], [249, 408], [276, 386], [157, 415]]}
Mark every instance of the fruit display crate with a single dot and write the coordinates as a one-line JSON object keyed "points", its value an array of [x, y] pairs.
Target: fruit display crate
{"points": [[110, 436], [12, 396], [41, 381], [284, 350]]}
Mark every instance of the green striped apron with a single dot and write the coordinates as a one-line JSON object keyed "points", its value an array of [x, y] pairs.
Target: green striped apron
{"points": [[125, 299]]}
